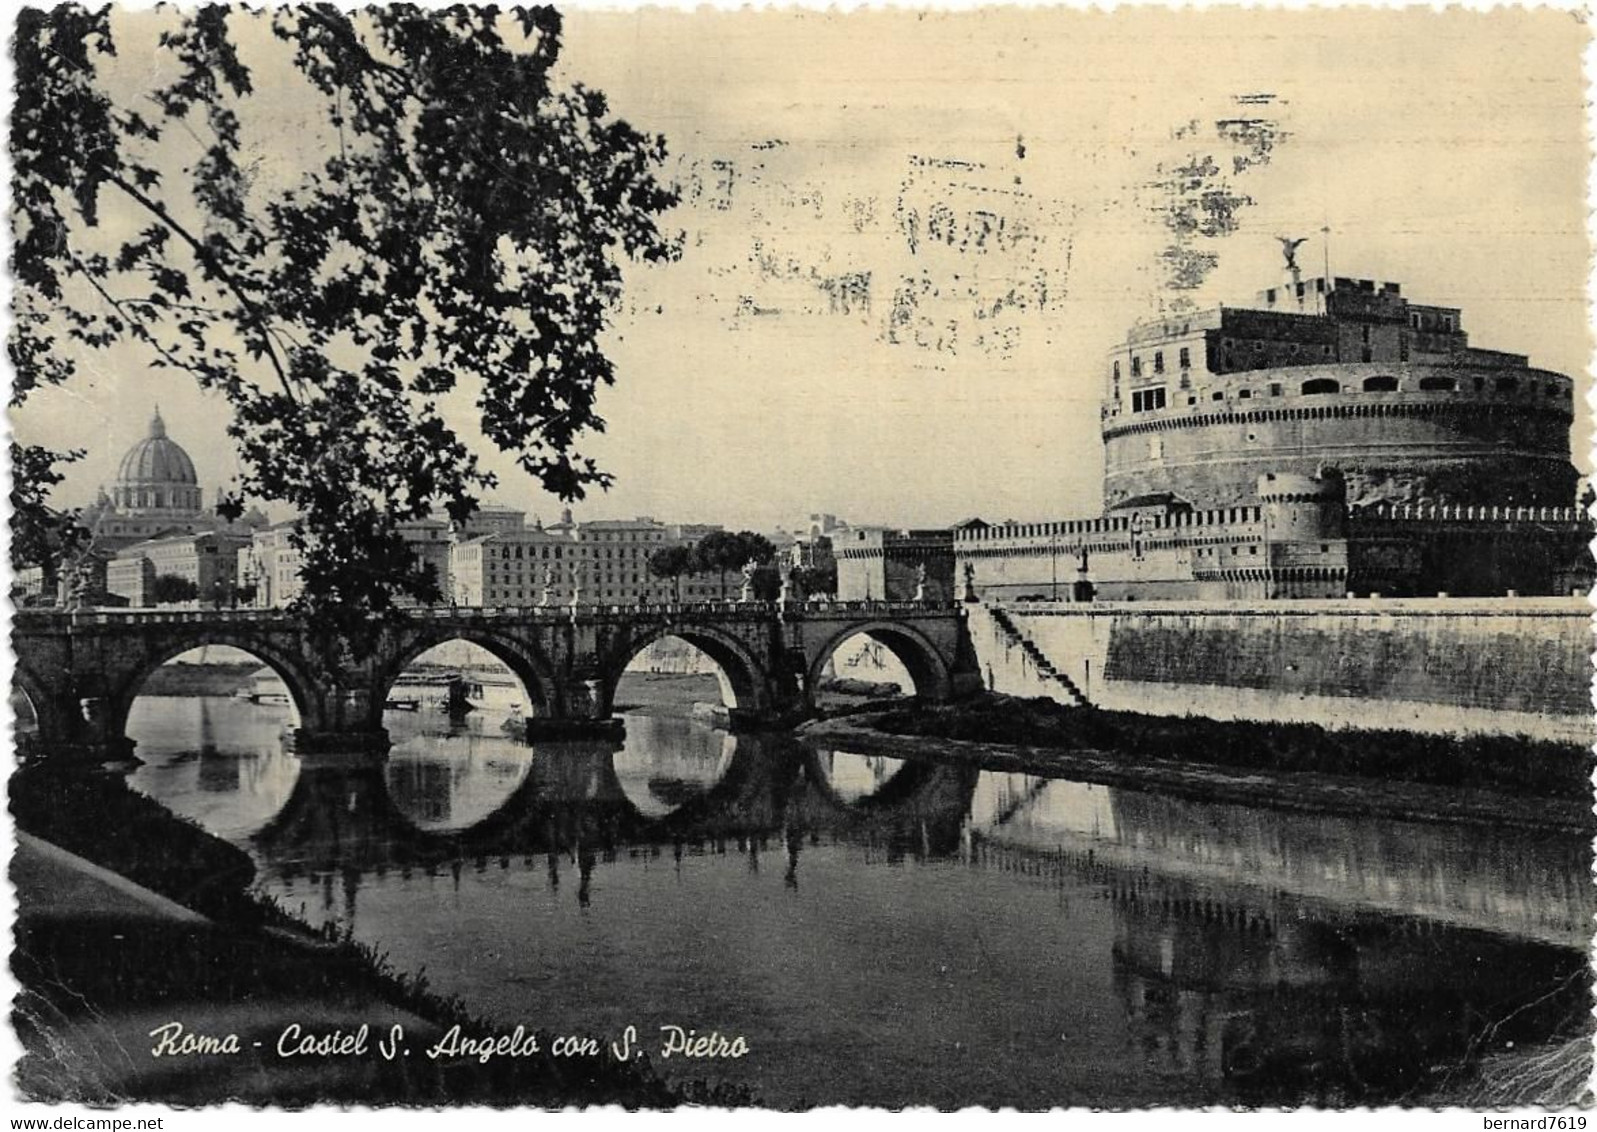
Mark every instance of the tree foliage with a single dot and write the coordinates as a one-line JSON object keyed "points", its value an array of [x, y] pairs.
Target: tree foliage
{"points": [[40, 535], [672, 562], [820, 580], [172, 588], [458, 230]]}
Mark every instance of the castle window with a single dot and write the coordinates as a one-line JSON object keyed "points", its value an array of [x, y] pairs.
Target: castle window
{"points": [[1218, 395], [1384, 383], [1275, 389], [1321, 385], [1438, 384], [1147, 400], [1244, 394], [1506, 384]]}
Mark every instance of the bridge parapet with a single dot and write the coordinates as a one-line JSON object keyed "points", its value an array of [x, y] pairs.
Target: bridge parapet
{"points": [[34, 619]]}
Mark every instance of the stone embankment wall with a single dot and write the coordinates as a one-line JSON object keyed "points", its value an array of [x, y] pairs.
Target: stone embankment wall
{"points": [[1469, 666]]}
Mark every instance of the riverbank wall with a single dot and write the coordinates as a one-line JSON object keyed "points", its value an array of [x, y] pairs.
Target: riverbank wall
{"points": [[1491, 666]]}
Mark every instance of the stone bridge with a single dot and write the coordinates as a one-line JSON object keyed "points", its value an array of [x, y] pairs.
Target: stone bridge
{"points": [[81, 670]]}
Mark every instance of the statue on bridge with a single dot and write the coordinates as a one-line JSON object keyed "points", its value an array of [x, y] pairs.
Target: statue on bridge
{"points": [[970, 582], [920, 582], [576, 595], [746, 595], [546, 598]]}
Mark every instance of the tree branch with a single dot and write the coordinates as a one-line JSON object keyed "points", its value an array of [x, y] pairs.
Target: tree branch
{"points": [[203, 253], [134, 324]]}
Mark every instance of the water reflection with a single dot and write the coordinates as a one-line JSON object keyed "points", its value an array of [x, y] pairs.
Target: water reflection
{"points": [[215, 760], [448, 774], [853, 777], [667, 763], [948, 934]]}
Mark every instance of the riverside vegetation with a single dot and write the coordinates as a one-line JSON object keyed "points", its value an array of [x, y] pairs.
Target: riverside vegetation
{"points": [[1510, 764], [80, 970]]}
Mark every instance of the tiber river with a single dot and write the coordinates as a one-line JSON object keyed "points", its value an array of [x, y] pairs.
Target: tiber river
{"points": [[889, 932]]}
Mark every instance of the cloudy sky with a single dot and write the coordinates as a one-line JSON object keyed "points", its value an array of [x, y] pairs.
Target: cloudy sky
{"points": [[911, 238]]}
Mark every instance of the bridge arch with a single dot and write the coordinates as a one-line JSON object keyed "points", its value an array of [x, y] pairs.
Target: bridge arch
{"points": [[526, 662], [910, 647], [744, 680], [301, 685], [47, 727]]}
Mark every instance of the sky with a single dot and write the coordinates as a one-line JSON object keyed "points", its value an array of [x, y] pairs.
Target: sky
{"points": [[822, 346]]}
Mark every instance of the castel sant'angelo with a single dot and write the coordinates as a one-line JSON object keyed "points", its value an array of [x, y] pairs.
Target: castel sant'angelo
{"points": [[1334, 438]]}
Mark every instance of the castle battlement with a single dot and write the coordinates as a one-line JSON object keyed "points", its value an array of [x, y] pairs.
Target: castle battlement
{"points": [[1335, 437]]}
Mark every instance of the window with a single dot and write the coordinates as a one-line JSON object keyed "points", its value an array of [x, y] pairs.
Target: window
{"points": [[1147, 400], [1402, 346], [1186, 358], [1383, 383], [1321, 385], [1136, 365], [1506, 384], [1275, 389], [1244, 394], [1217, 395], [1158, 361], [1438, 384], [1117, 371]]}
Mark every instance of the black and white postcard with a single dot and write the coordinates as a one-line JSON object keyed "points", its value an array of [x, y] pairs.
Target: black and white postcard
{"points": [[1024, 558]]}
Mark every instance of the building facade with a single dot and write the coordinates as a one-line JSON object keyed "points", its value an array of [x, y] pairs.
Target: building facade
{"points": [[1344, 373], [881, 564], [206, 562], [1334, 439]]}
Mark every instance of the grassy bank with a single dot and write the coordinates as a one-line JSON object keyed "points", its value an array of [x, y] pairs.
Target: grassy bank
{"points": [[92, 982], [1527, 767]]}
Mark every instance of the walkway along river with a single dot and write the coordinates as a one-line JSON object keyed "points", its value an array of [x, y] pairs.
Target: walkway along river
{"points": [[904, 931]]}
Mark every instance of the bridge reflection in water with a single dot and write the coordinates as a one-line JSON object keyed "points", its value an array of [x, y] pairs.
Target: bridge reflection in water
{"points": [[945, 934]]}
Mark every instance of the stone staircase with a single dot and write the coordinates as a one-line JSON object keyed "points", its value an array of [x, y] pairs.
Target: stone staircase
{"points": [[1045, 669]]}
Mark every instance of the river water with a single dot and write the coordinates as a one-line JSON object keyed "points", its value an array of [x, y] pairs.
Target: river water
{"points": [[891, 932]]}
